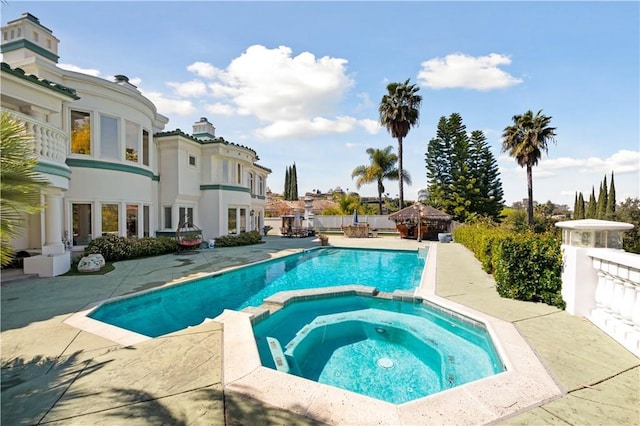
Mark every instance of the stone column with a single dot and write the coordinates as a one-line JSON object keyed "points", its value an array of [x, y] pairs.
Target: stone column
{"points": [[53, 224]]}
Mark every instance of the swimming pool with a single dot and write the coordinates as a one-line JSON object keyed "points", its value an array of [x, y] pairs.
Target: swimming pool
{"points": [[392, 350], [161, 311]]}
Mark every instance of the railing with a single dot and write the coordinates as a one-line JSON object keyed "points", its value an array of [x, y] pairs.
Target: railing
{"points": [[617, 296], [50, 142]]}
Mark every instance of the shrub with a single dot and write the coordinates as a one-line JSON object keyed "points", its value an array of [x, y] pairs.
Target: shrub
{"points": [[526, 266], [114, 248], [243, 239]]}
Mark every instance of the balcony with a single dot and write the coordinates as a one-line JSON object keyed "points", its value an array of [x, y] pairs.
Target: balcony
{"points": [[50, 142]]}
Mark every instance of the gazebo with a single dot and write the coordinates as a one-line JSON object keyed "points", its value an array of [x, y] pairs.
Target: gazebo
{"points": [[421, 219]]}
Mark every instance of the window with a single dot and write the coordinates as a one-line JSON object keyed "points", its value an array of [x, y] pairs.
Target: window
{"points": [[145, 221], [110, 219], [109, 137], [238, 173], [81, 224], [192, 160], [167, 218], [132, 141], [243, 220], [260, 186], [232, 221], [145, 147], [80, 132], [132, 220], [250, 181], [186, 216], [225, 171]]}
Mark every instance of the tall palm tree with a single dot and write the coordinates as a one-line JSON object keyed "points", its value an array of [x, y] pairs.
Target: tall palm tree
{"points": [[399, 111], [20, 184], [382, 166], [525, 140]]}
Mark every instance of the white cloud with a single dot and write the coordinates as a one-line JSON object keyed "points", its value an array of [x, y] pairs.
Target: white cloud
{"points": [[203, 69], [307, 128], [170, 106], [293, 95], [220, 109], [370, 126], [70, 67], [189, 89], [464, 71]]}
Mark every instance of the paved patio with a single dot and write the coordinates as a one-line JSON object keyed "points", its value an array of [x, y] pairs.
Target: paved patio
{"points": [[55, 374]]}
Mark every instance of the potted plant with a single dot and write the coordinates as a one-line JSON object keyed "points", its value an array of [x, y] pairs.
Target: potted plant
{"points": [[266, 229], [324, 239]]}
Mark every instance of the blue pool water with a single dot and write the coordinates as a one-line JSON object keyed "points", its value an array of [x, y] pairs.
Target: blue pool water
{"points": [[390, 350], [163, 311]]}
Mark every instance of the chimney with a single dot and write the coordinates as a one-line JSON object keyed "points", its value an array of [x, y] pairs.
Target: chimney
{"points": [[204, 130]]}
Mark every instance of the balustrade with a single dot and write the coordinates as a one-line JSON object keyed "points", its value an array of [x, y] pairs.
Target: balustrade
{"points": [[50, 142], [617, 296]]}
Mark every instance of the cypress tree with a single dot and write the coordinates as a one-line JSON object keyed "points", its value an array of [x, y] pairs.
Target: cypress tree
{"points": [[575, 205], [580, 209], [286, 184], [592, 207], [602, 199], [294, 183], [611, 201]]}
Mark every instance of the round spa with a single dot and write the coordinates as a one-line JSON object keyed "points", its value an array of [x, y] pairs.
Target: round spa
{"points": [[392, 350]]}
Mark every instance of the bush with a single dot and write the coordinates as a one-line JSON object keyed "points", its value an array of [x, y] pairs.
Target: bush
{"points": [[243, 239], [481, 240], [114, 248], [526, 266]]}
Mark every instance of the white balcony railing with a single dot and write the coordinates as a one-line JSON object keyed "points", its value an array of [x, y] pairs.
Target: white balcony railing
{"points": [[617, 296], [50, 142]]}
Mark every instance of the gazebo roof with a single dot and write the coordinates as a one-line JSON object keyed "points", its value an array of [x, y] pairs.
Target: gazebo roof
{"points": [[426, 212]]}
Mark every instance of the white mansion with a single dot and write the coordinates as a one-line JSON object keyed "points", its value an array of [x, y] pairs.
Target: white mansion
{"points": [[111, 167]]}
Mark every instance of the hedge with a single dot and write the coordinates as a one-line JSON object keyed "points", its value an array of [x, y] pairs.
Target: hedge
{"points": [[114, 248], [242, 239], [526, 266]]}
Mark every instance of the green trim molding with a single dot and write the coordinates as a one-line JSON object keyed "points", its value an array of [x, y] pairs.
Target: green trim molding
{"points": [[53, 169], [26, 44], [224, 188], [103, 165], [259, 197]]}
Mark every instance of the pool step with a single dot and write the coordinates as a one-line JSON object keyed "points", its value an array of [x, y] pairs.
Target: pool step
{"points": [[278, 356]]}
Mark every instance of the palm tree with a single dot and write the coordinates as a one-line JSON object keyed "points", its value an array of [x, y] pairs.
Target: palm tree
{"points": [[20, 184], [382, 167], [525, 140], [399, 111]]}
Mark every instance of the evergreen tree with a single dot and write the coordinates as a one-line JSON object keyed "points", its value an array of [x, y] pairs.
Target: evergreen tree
{"points": [[485, 170], [610, 211], [602, 199], [285, 193], [575, 205], [592, 207], [580, 213], [463, 177], [294, 183]]}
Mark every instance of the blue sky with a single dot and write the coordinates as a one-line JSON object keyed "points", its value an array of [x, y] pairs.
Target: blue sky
{"points": [[301, 81]]}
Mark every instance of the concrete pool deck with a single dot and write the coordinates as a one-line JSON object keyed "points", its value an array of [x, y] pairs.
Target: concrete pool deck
{"points": [[55, 374]]}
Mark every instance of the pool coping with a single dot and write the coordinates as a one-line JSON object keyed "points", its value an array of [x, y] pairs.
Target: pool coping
{"points": [[525, 384]]}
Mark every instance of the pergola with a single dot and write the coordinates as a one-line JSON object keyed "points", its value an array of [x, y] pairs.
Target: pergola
{"points": [[421, 219]]}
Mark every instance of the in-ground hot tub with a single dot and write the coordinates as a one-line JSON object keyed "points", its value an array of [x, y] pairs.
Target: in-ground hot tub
{"points": [[392, 350]]}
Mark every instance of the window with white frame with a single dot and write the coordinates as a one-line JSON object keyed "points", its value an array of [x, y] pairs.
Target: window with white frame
{"points": [[192, 160], [132, 141], [260, 185], [168, 223], [80, 132], [109, 147], [145, 147], [238, 173], [250, 181]]}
